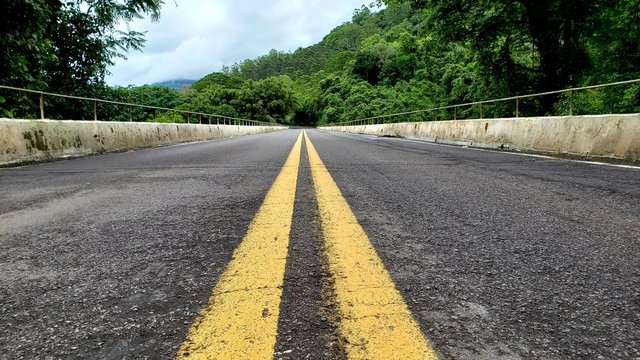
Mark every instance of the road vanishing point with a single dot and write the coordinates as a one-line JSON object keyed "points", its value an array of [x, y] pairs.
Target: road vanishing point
{"points": [[308, 244]]}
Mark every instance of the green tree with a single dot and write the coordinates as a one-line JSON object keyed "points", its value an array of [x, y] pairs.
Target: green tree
{"points": [[218, 79], [503, 32], [65, 47], [269, 100], [375, 56]]}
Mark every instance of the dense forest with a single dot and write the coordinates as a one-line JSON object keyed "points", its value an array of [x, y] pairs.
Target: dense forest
{"points": [[410, 55]]}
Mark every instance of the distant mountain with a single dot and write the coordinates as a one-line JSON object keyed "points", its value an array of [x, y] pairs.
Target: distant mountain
{"points": [[178, 84]]}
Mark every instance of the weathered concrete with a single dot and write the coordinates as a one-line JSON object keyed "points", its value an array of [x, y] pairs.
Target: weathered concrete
{"points": [[616, 136], [38, 140]]}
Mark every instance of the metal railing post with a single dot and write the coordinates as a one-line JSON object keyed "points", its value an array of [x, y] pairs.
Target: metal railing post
{"points": [[571, 103], [95, 111], [517, 107], [455, 113], [481, 111], [41, 106]]}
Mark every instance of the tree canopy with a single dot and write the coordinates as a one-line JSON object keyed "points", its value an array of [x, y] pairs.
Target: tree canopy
{"points": [[66, 47], [410, 55], [426, 53]]}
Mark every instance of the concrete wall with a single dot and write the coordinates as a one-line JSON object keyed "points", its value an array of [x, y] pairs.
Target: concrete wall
{"points": [[37, 140], [615, 136]]}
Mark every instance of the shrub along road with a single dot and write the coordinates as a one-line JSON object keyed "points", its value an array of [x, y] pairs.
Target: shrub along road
{"points": [[450, 251]]}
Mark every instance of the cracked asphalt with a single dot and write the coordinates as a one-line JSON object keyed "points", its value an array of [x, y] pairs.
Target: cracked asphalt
{"points": [[498, 256]]}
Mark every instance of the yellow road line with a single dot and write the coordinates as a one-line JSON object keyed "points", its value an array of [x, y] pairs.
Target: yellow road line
{"points": [[375, 320], [241, 320]]}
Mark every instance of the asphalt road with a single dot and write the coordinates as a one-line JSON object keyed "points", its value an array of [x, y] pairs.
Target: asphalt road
{"points": [[498, 256]]}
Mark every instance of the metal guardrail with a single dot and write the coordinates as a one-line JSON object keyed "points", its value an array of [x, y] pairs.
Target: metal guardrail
{"points": [[219, 119], [374, 119]]}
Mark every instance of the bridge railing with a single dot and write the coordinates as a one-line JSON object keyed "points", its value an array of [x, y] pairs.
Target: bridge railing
{"points": [[452, 112], [189, 117]]}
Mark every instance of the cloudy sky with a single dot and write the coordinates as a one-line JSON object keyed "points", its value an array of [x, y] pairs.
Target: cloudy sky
{"points": [[196, 37]]}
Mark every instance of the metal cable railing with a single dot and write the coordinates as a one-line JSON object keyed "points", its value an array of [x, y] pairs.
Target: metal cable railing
{"points": [[380, 118], [219, 119]]}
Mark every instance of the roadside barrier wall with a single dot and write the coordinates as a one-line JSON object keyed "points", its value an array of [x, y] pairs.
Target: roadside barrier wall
{"points": [[616, 136], [24, 141]]}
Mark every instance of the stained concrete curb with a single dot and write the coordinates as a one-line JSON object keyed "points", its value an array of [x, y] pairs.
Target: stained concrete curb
{"points": [[23, 141], [615, 136]]}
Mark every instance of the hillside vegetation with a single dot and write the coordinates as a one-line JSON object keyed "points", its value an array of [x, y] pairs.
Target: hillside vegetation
{"points": [[427, 54]]}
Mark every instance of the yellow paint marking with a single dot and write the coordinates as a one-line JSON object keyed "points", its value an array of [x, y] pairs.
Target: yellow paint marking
{"points": [[241, 320], [375, 320]]}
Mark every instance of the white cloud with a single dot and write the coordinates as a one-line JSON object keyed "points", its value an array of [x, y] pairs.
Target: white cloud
{"points": [[197, 37]]}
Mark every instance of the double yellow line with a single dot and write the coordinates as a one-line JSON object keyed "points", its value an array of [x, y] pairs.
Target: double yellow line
{"points": [[241, 320]]}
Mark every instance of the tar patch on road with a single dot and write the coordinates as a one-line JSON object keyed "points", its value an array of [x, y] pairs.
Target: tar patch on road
{"points": [[306, 328], [242, 317]]}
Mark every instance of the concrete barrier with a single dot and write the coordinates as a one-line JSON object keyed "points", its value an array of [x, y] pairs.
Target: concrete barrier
{"points": [[616, 136], [38, 140]]}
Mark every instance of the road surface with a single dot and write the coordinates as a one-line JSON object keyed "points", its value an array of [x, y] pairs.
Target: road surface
{"points": [[345, 245]]}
